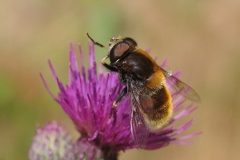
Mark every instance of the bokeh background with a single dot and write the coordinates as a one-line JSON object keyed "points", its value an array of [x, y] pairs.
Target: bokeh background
{"points": [[200, 38]]}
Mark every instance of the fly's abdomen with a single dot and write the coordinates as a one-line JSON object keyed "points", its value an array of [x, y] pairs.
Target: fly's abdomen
{"points": [[156, 102]]}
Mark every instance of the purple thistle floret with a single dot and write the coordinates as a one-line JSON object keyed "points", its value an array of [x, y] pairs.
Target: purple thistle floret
{"points": [[88, 99]]}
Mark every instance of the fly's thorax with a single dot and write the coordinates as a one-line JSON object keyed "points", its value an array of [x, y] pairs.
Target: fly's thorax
{"points": [[137, 64]]}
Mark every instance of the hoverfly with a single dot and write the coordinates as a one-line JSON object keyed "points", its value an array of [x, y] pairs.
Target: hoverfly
{"points": [[146, 84]]}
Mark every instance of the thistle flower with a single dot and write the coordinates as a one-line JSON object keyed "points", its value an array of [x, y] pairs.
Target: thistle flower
{"points": [[52, 142], [88, 99]]}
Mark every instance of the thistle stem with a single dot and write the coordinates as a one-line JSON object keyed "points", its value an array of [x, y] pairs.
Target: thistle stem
{"points": [[109, 153]]}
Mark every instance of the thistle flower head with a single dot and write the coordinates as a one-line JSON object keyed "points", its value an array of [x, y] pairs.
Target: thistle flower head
{"points": [[88, 98], [52, 142]]}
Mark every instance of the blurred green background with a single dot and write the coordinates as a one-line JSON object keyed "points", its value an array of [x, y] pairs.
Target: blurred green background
{"points": [[200, 38]]}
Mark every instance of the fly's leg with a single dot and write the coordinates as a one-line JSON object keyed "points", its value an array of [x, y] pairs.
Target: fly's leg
{"points": [[118, 99], [111, 68]]}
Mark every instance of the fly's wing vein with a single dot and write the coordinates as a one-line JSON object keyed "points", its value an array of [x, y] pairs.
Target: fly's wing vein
{"points": [[139, 128], [181, 87]]}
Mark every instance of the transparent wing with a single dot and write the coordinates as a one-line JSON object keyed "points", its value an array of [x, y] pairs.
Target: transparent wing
{"points": [[139, 128], [181, 87]]}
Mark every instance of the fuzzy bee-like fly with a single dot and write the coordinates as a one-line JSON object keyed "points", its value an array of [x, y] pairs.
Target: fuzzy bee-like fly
{"points": [[145, 82]]}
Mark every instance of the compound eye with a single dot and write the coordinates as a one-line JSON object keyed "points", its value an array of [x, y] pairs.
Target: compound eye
{"points": [[120, 48], [131, 41]]}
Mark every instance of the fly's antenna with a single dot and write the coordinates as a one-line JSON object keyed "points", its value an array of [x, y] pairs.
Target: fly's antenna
{"points": [[96, 43]]}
